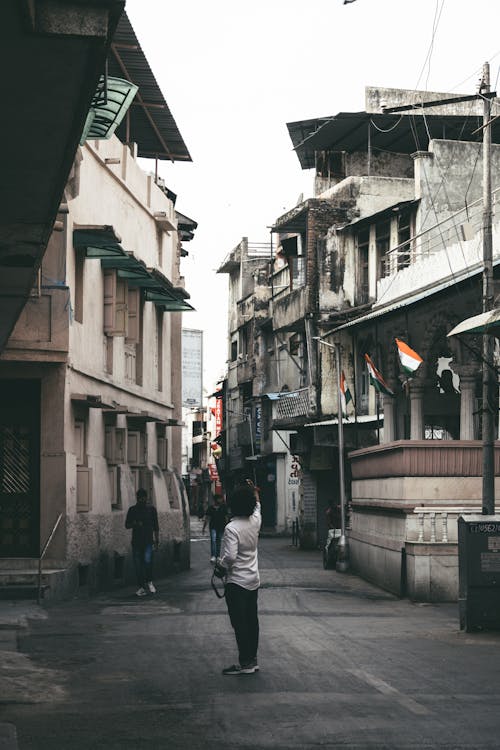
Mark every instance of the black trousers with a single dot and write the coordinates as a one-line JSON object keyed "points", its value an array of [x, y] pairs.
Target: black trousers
{"points": [[242, 608]]}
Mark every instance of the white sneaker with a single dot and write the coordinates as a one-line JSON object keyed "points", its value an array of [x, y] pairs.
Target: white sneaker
{"points": [[213, 559], [152, 587], [141, 592]]}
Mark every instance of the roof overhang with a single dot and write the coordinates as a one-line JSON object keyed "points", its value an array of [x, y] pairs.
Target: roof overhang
{"points": [[352, 132], [149, 121], [44, 108]]}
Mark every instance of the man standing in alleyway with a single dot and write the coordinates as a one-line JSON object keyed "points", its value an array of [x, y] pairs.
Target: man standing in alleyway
{"points": [[239, 558], [216, 516], [142, 518]]}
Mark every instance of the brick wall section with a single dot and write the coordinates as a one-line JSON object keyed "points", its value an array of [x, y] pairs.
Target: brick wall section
{"points": [[320, 217]]}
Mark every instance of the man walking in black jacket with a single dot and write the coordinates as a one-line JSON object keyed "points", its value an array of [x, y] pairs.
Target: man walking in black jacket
{"points": [[142, 518]]}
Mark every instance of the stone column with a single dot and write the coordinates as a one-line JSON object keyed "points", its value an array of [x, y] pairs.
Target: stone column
{"points": [[468, 375], [416, 411], [389, 426]]}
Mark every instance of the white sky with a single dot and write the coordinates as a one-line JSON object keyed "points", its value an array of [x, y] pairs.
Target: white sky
{"points": [[234, 73]]}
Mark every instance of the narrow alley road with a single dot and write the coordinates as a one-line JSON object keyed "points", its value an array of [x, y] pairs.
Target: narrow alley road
{"points": [[343, 664]]}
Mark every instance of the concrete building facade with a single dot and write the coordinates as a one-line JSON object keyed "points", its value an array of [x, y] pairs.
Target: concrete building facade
{"points": [[91, 385]]}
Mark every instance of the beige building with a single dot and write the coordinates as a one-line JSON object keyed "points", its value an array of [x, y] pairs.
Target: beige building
{"points": [[90, 376]]}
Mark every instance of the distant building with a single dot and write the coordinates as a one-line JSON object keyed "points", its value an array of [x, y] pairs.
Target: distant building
{"points": [[389, 247]]}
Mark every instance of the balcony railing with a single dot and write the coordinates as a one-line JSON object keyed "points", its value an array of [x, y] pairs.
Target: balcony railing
{"points": [[292, 405], [439, 525]]}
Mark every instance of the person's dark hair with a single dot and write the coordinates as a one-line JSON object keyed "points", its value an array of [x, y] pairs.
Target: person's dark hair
{"points": [[242, 501], [141, 494]]}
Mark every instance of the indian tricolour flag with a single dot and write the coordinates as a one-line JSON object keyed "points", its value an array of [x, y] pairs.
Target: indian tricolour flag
{"points": [[410, 360], [376, 378], [345, 393]]}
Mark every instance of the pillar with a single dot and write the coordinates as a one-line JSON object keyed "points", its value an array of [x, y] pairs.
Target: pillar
{"points": [[389, 426], [467, 403], [416, 411]]}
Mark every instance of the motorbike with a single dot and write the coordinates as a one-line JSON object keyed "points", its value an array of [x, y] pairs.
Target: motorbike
{"points": [[330, 549]]}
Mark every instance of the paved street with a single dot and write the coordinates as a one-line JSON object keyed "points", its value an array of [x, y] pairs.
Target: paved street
{"points": [[343, 664]]}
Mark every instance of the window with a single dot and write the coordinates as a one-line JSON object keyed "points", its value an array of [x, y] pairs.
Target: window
{"points": [[294, 345], [234, 351], [363, 242], [404, 235], [79, 278], [383, 238], [136, 448], [114, 482], [162, 452], [115, 305], [159, 347], [80, 451], [133, 315], [115, 445], [83, 489]]}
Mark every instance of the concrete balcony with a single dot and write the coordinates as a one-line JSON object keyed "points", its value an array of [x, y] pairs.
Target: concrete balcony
{"points": [[289, 310], [245, 369]]}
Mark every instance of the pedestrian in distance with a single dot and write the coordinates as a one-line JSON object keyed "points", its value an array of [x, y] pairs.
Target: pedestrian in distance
{"points": [[239, 558], [216, 517], [142, 518]]}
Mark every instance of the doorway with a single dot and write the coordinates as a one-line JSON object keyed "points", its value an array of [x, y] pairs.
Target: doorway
{"points": [[19, 468]]}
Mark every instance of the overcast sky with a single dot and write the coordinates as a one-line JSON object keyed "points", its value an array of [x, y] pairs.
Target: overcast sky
{"points": [[234, 73]]}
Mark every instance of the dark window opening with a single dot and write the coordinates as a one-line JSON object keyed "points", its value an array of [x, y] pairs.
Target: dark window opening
{"points": [[234, 351], [363, 241], [383, 238]]}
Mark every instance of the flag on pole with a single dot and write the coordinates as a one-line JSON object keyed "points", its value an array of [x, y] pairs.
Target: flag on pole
{"points": [[376, 378], [345, 393], [410, 360]]}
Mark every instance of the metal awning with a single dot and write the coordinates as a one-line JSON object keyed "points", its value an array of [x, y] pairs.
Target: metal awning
{"points": [[102, 242], [148, 122], [111, 101], [396, 133], [487, 322]]}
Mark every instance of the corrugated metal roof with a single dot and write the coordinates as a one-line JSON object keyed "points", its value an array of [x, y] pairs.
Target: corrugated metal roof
{"points": [[396, 133], [149, 120]]}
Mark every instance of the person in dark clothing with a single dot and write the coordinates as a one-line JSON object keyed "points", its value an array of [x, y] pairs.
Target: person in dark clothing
{"points": [[142, 518], [216, 516]]}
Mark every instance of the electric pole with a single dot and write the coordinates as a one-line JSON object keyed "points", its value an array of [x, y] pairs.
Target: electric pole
{"points": [[489, 379]]}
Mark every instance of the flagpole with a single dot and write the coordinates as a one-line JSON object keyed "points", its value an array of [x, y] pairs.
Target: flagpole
{"points": [[342, 564]]}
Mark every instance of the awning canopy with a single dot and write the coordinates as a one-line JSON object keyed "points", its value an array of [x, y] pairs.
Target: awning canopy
{"points": [[487, 322], [111, 101], [103, 243]]}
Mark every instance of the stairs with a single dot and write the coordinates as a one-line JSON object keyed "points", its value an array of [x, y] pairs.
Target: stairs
{"points": [[19, 579]]}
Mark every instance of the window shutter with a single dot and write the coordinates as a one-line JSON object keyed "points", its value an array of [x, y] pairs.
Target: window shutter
{"points": [[115, 304], [109, 301], [121, 321], [133, 315], [83, 489]]}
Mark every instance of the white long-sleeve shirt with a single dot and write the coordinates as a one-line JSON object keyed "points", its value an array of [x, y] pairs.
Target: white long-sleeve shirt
{"points": [[239, 550]]}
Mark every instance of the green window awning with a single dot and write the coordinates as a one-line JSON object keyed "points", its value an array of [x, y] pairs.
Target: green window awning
{"points": [[101, 242], [111, 101]]}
